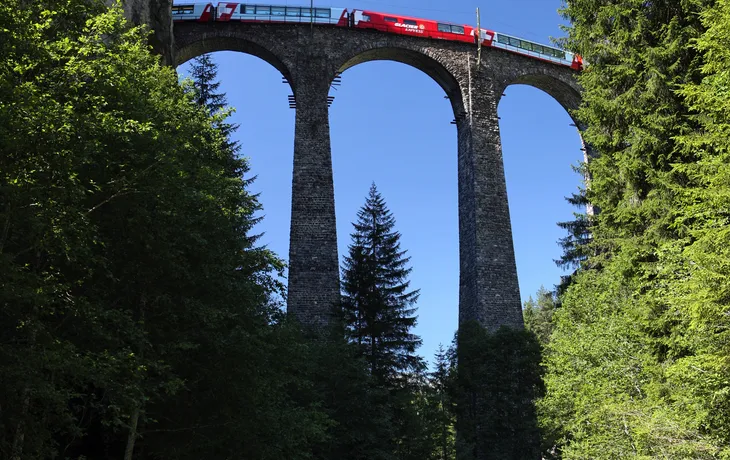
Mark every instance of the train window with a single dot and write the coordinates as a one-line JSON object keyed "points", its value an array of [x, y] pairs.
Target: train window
{"points": [[444, 28], [389, 19], [263, 10], [278, 11], [290, 11], [538, 49], [502, 39], [410, 22], [248, 9], [306, 12], [525, 45], [457, 30], [514, 42], [555, 53], [183, 9], [322, 12]]}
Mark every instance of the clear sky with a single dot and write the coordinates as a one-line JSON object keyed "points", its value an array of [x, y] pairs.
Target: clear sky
{"points": [[390, 124]]}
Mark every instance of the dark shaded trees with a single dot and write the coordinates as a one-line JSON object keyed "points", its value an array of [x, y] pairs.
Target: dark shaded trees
{"points": [[378, 314], [377, 303], [135, 311], [441, 407], [498, 380]]}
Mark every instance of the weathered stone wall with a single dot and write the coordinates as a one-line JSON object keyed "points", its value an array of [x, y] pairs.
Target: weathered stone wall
{"points": [[156, 14], [310, 57]]}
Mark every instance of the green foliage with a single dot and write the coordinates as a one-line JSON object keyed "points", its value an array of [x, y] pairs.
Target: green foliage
{"points": [[576, 245], [137, 314], [499, 378], [204, 73], [134, 307], [538, 314], [415, 419], [637, 362], [605, 393], [441, 404], [377, 304]]}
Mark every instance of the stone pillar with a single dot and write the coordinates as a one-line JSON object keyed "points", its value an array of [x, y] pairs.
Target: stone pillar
{"points": [[157, 15], [313, 264], [488, 288]]}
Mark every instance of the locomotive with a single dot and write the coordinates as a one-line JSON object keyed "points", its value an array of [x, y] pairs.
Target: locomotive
{"points": [[365, 19]]}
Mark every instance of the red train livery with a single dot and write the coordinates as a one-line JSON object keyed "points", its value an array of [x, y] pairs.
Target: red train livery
{"points": [[405, 25], [365, 19]]}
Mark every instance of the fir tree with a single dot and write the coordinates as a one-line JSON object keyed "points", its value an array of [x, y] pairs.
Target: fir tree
{"points": [[538, 314], [576, 244], [626, 373], [441, 381], [378, 305], [204, 73]]}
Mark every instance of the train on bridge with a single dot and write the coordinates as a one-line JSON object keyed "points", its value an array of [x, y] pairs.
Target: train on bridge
{"points": [[365, 19]]}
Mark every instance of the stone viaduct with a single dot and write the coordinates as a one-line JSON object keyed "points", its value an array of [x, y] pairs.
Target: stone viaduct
{"points": [[310, 58]]}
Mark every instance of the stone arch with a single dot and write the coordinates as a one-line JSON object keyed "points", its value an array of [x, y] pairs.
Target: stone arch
{"points": [[564, 93], [426, 68], [428, 61], [192, 40], [556, 80], [561, 84]]}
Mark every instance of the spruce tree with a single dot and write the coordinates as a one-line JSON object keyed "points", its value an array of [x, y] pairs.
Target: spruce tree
{"points": [[576, 244], [441, 381], [204, 73], [378, 304], [626, 376], [538, 314]]}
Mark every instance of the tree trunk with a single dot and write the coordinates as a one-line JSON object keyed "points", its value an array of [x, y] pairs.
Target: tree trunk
{"points": [[132, 438], [132, 434], [20, 430]]}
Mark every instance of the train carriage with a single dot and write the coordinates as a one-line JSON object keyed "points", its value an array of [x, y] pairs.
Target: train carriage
{"points": [[365, 19], [245, 12], [199, 12], [532, 49], [404, 25]]}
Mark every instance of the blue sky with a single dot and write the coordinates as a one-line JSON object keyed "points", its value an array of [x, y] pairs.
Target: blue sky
{"points": [[390, 124]]}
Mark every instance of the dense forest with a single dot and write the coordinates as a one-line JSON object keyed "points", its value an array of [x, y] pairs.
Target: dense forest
{"points": [[140, 318], [636, 346]]}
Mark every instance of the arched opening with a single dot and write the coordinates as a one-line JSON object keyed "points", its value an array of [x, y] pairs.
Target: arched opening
{"points": [[540, 144], [253, 86], [390, 123]]}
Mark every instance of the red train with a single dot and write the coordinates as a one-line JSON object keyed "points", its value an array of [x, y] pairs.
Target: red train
{"points": [[364, 19]]}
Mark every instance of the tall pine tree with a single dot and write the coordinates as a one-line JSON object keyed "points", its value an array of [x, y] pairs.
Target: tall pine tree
{"points": [[378, 304], [204, 75], [442, 416], [204, 72], [625, 373]]}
